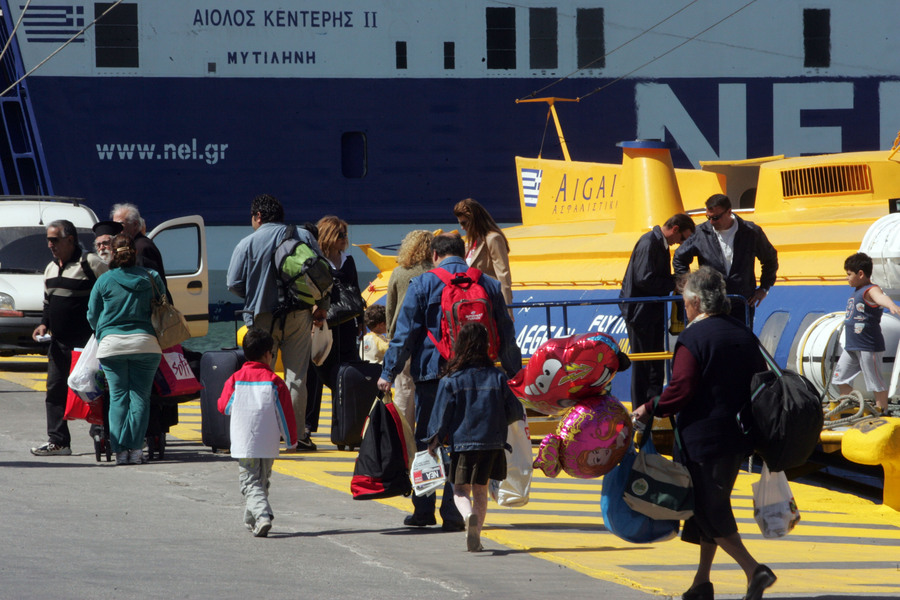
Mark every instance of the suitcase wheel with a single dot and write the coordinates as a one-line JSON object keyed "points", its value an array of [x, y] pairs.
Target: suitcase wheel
{"points": [[156, 446], [339, 447]]}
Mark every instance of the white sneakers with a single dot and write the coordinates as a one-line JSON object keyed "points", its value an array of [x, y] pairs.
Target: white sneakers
{"points": [[51, 449], [263, 525]]}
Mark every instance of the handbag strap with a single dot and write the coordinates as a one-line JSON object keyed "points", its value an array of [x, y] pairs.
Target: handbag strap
{"points": [[645, 439], [158, 297], [773, 366]]}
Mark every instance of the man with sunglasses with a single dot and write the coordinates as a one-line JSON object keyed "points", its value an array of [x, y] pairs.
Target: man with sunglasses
{"points": [[649, 273], [68, 281], [729, 244]]}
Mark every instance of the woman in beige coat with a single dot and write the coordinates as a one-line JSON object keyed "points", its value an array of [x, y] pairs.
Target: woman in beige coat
{"points": [[486, 247], [413, 259]]}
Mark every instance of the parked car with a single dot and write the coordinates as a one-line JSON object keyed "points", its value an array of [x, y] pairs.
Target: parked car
{"points": [[24, 255]]}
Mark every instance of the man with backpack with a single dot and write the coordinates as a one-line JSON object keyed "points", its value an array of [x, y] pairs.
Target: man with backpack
{"points": [[254, 276], [426, 321]]}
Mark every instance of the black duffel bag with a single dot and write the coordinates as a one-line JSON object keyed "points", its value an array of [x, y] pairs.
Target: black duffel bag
{"points": [[784, 417]]}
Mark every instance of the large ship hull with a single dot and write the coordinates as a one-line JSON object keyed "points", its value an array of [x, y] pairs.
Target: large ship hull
{"points": [[388, 112]]}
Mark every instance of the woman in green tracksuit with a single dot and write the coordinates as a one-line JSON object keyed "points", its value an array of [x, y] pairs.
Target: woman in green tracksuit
{"points": [[119, 312]]}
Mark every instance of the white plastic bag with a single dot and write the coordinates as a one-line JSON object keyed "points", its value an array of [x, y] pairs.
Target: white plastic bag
{"points": [[86, 378], [321, 344], [514, 490], [428, 473], [774, 508]]}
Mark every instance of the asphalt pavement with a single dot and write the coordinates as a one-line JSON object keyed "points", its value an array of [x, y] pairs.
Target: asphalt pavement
{"points": [[75, 528]]}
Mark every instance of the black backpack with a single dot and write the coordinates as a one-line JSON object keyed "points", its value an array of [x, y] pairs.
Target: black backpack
{"points": [[786, 416], [382, 466], [302, 274]]}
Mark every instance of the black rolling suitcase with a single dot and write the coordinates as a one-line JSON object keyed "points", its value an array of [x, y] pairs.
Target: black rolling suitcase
{"points": [[215, 368], [351, 400]]}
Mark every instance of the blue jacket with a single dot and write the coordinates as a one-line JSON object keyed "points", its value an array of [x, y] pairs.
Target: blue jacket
{"points": [[473, 410], [421, 313], [749, 242]]}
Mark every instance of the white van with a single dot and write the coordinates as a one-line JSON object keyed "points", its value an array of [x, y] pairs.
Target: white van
{"points": [[24, 255]]}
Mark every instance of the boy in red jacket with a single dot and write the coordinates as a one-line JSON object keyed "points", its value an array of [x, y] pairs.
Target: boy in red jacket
{"points": [[261, 414]]}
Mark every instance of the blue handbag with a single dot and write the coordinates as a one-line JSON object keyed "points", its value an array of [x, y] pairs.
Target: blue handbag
{"points": [[618, 517]]}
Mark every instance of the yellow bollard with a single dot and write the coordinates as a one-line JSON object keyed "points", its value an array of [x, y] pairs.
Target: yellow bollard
{"points": [[876, 441]]}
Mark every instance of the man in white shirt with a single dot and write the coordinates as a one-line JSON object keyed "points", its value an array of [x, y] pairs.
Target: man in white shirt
{"points": [[729, 244]]}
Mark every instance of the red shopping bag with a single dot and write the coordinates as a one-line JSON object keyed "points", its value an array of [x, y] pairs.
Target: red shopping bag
{"points": [[174, 376], [78, 409]]}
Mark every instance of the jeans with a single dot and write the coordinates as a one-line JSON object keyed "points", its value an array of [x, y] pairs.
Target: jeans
{"points": [[426, 392]]}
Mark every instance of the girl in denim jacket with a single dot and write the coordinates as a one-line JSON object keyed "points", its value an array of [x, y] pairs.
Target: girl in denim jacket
{"points": [[472, 413]]}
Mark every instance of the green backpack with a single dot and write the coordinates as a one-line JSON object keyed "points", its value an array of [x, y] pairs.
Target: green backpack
{"points": [[304, 277]]}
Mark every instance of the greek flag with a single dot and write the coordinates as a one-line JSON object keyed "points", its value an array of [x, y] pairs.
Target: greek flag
{"points": [[531, 185], [53, 24]]}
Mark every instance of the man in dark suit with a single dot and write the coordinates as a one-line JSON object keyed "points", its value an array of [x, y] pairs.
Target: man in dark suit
{"points": [[148, 255], [649, 274]]}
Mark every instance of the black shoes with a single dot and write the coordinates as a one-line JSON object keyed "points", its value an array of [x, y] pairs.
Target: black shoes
{"points": [[305, 444], [763, 577], [702, 591], [419, 521], [453, 526]]}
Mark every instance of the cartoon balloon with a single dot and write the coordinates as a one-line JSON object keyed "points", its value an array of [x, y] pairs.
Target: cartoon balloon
{"points": [[565, 369], [590, 440]]}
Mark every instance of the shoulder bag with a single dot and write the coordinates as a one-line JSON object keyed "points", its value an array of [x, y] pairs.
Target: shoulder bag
{"points": [[658, 487], [170, 325], [348, 305]]}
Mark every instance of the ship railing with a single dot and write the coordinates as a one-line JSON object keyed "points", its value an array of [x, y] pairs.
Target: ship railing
{"points": [[678, 304]]}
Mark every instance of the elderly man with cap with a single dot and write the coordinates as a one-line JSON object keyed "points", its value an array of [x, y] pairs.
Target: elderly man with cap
{"points": [[105, 232]]}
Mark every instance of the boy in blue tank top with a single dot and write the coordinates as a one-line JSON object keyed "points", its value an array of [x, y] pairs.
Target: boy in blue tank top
{"points": [[864, 345]]}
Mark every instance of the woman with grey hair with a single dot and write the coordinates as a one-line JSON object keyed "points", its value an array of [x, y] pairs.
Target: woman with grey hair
{"points": [[714, 359]]}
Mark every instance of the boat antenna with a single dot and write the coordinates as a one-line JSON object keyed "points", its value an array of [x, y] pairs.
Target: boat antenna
{"points": [[552, 112], [620, 78], [55, 52]]}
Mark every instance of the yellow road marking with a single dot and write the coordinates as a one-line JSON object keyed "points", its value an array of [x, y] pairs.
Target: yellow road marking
{"points": [[844, 544]]}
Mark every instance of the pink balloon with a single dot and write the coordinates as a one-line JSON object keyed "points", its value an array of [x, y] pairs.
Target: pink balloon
{"points": [[565, 369], [590, 440]]}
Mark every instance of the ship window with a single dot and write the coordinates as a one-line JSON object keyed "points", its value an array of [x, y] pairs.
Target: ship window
{"points": [[589, 31], [816, 37], [353, 155], [449, 55], [501, 37], [116, 36], [773, 329], [543, 50], [400, 48]]}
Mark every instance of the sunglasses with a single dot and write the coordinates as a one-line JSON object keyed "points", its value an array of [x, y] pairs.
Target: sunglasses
{"points": [[342, 236], [53, 240], [716, 217]]}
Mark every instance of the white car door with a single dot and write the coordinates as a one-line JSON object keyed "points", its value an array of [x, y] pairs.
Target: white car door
{"points": [[182, 243]]}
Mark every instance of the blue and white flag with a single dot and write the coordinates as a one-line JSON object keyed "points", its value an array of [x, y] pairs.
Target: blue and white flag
{"points": [[531, 185], [55, 24]]}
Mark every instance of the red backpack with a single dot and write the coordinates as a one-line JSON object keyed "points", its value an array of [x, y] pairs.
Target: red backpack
{"points": [[464, 300]]}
